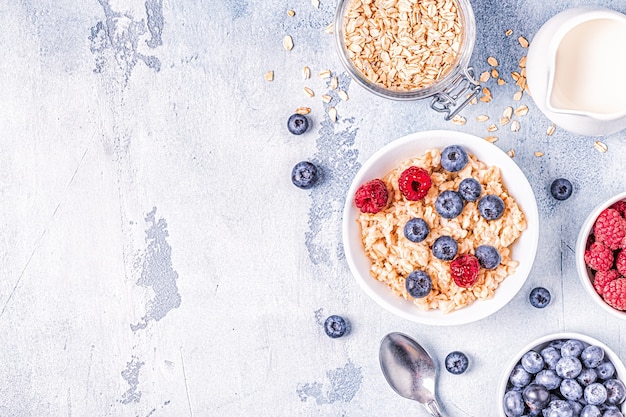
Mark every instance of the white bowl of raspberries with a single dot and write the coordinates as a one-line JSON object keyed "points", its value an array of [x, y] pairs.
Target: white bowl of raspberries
{"points": [[601, 255], [563, 375]]}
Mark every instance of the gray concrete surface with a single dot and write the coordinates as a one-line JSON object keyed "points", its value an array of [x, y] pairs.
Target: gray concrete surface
{"points": [[157, 260]]}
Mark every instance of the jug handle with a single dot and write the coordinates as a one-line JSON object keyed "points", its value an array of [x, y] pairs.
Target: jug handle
{"points": [[463, 87]]}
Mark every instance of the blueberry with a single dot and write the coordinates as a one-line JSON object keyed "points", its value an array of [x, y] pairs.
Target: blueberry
{"points": [[453, 158], [561, 189], [456, 362], [335, 326], [568, 367], [558, 408], [576, 407], [595, 393], [304, 175], [513, 404], [590, 411], [470, 189], [445, 248], [551, 356], [491, 207], [418, 284], [592, 356], [548, 378], [615, 391], [416, 230], [449, 204], [587, 376], [572, 347], [612, 411], [571, 389], [532, 362], [488, 256], [539, 297], [536, 397], [605, 370], [519, 377], [298, 124]]}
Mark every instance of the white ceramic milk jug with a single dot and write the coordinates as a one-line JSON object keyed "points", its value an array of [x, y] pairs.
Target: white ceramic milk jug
{"points": [[576, 70]]}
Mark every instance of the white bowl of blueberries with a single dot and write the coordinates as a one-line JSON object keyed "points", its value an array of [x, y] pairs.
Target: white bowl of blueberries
{"points": [[563, 375]]}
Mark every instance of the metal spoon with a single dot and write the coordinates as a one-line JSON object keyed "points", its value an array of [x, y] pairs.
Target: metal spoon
{"points": [[409, 370]]}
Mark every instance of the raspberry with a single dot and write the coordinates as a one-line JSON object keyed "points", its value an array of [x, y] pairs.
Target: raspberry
{"points": [[620, 206], [604, 277], [620, 262], [615, 293], [464, 270], [372, 196], [610, 228], [598, 257], [414, 183]]}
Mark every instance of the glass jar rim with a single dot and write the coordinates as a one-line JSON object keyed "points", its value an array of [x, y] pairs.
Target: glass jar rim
{"points": [[460, 66]]}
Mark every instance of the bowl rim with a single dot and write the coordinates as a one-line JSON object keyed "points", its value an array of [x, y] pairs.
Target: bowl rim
{"points": [[581, 243], [353, 247], [617, 362]]}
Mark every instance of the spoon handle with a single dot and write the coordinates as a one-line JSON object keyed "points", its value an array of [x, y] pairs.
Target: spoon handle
{"points": [[433, 408]]}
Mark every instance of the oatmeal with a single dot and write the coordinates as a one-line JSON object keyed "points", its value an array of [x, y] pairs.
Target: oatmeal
{"points": [[394, 256]]}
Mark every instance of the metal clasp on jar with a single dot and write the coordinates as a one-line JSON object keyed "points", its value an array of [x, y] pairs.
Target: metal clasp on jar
{"points": [[453, 99]]}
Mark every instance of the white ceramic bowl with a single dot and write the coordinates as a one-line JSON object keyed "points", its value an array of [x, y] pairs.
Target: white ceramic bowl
{"points": [[523, 250], [584, 273], [542, 342]]}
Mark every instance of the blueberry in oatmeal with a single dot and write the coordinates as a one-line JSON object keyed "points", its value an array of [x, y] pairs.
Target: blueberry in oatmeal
{"points": [[449, 204], [416, 230], [470, 189], [453, 158], [445, 248], [488, 256], [418, 284], [491, 207]]}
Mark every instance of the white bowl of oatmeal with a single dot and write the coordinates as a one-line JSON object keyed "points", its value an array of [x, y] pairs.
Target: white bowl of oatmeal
{"points": [[380, 257]]}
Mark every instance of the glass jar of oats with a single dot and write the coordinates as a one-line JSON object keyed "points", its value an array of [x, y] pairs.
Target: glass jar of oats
{"points": [[410, 49]]}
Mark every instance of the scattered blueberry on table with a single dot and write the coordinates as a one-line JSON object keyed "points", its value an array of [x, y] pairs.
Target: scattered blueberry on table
{"points": [[456, 362], [539, 297], [304, 175], [297, 124], [561, 189], [335, 326]]}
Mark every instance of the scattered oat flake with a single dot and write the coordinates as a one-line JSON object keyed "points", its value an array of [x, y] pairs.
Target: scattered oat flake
{"points": [[501, 81], [332, 113], [491, 139], [334, 83], [484, 77], [515, 126], [508, 32], [316, 3], [492, 61], [492, 128], [504, 121], [303, 110], [342, 95], [521, 110], [495, 73], [306, 73], [539, 154], [508, 112], [309, 92], [288, 43], [523, 41], [522, 62], [473, 101], [600, 146], [550, 130], [330, 29], [485, 99], [326, 98], [291, 13], [482, 118], [459, 120], [515, 75], [486, 91], [269, 76], [324, 74], [518, 96], [511, 153]]}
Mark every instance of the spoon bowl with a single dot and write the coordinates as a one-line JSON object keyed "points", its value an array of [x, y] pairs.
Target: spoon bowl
{"points": [[409, 370]]}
